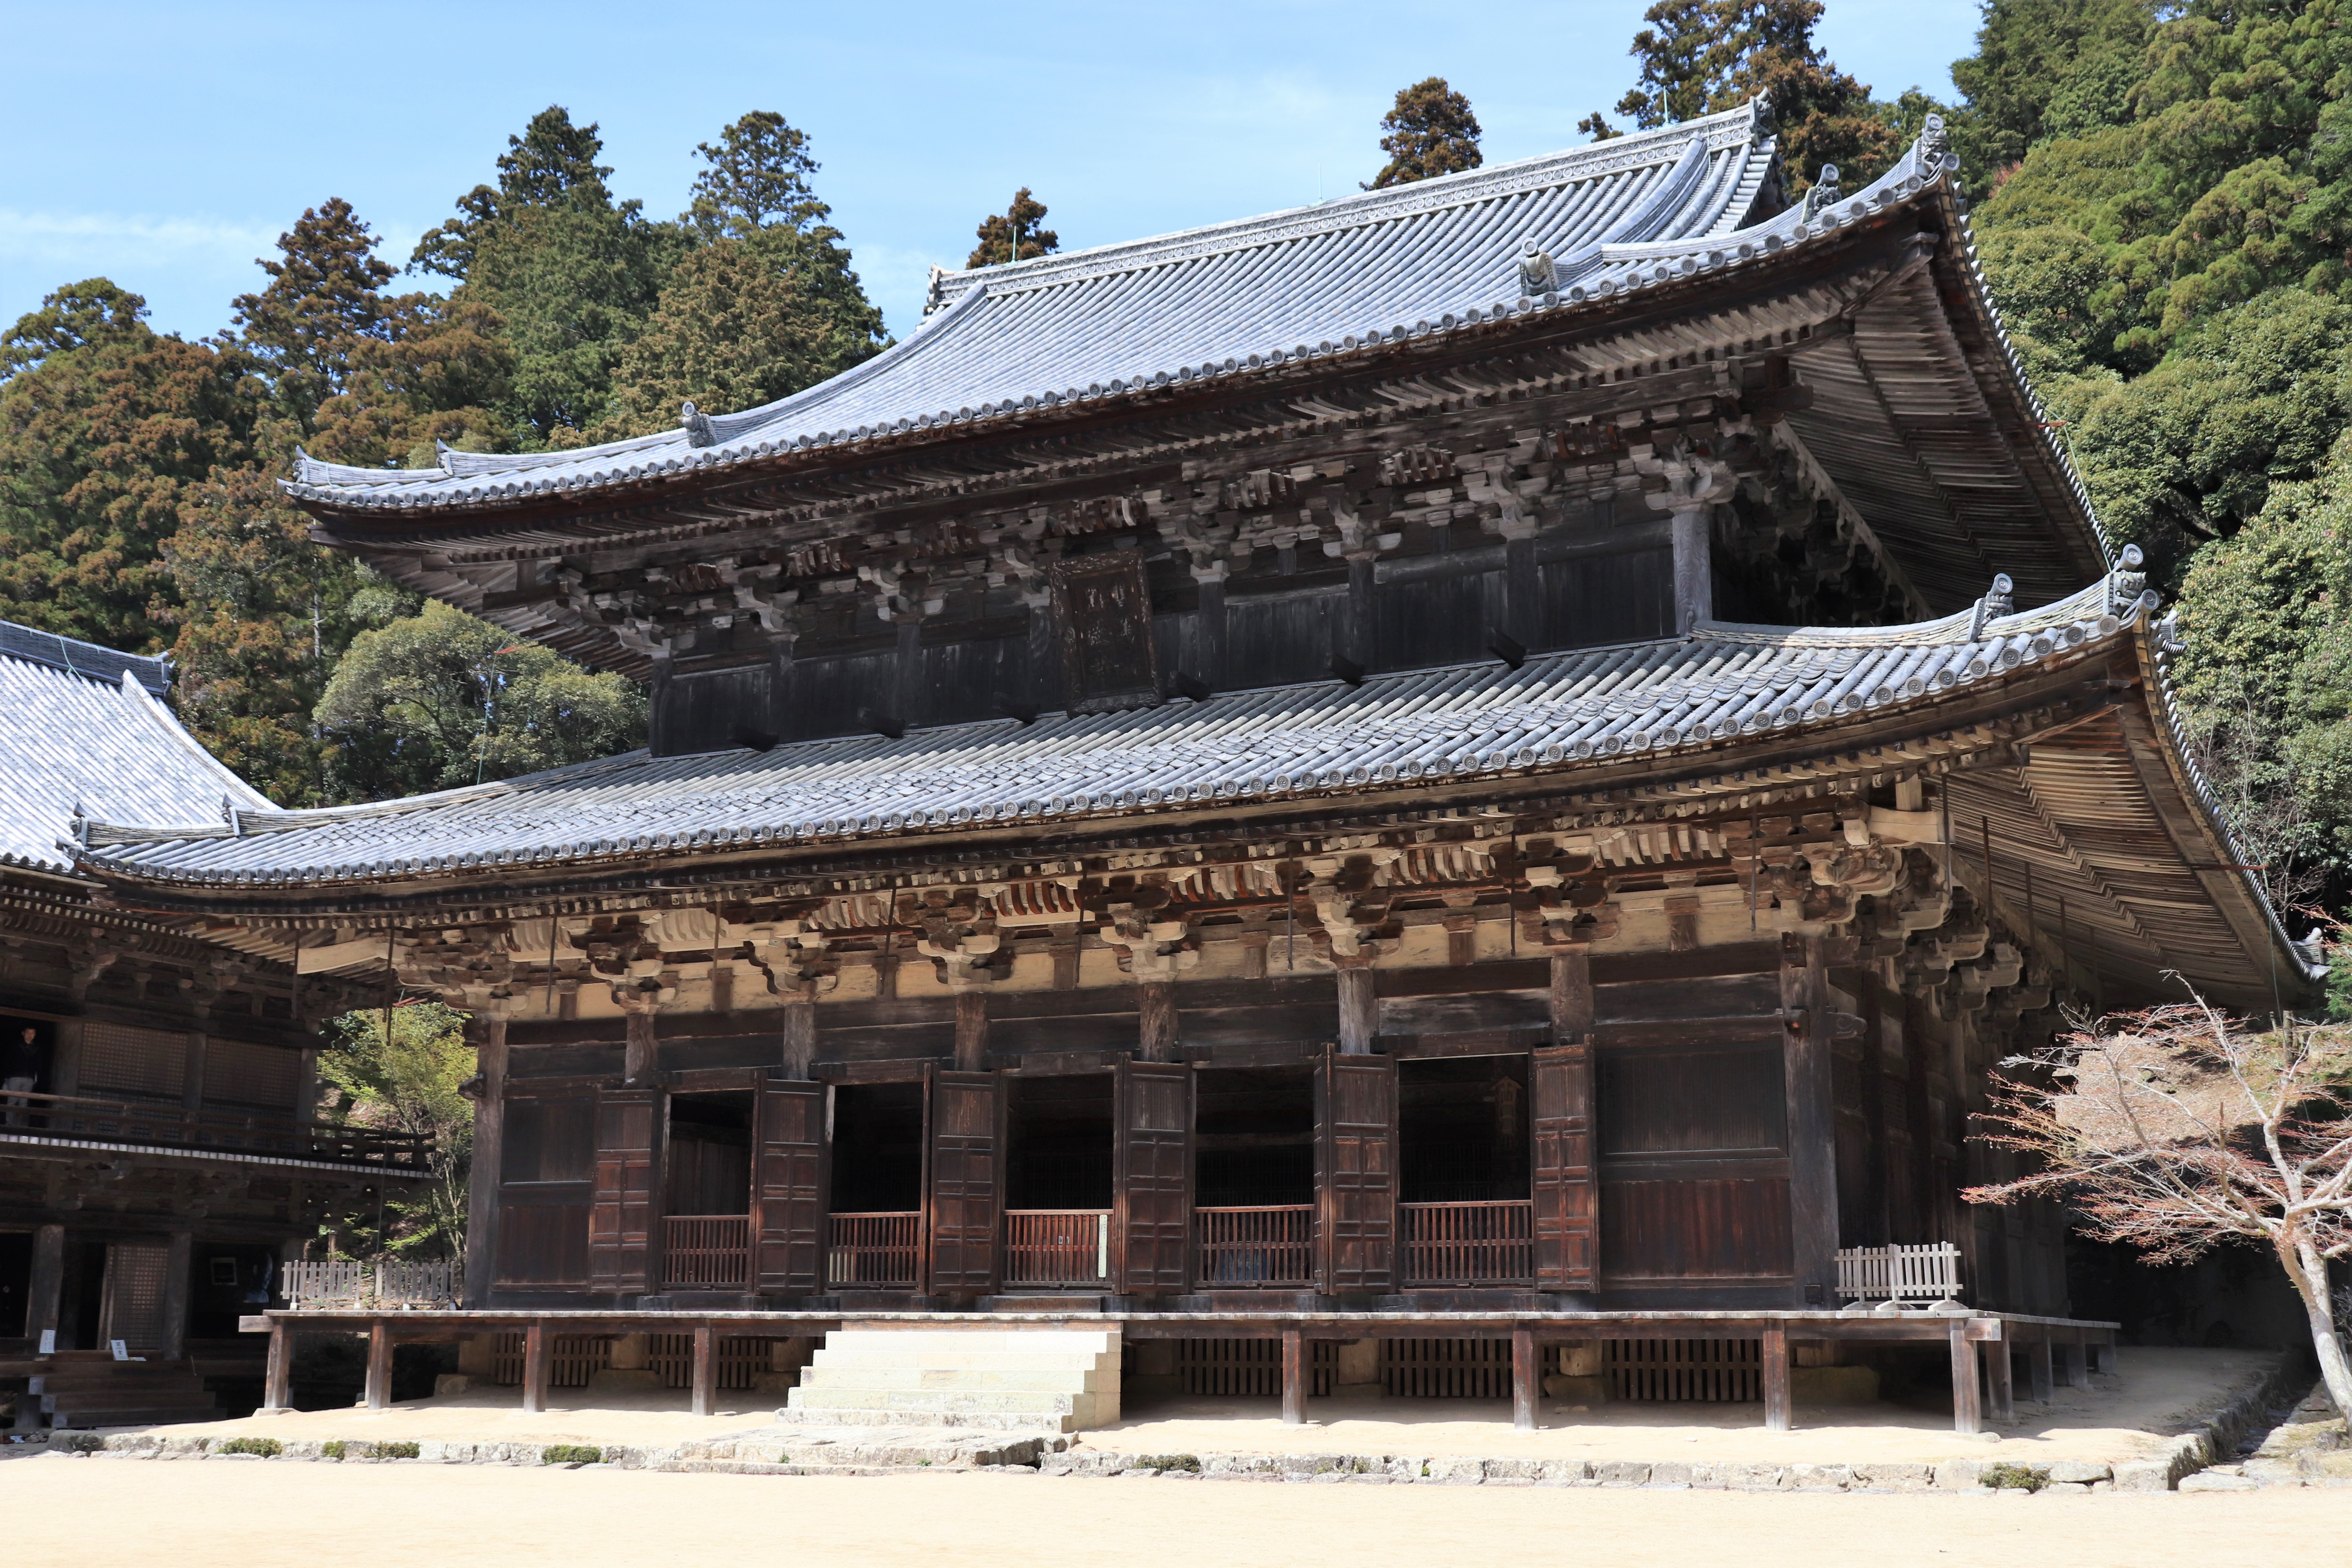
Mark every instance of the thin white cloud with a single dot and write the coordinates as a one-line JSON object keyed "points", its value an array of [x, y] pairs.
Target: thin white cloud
{"points": [[49, 235]]}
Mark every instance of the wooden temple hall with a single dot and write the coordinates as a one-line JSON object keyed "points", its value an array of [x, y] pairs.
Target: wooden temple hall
{"points": [[160, 1161], [1482, 769]]}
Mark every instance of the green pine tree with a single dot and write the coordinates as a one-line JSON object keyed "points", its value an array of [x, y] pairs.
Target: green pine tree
{"points": [[1429, 132], [1014, 234]]}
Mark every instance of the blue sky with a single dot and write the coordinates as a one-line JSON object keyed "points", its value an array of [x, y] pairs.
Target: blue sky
{"points": [[166, 146]]}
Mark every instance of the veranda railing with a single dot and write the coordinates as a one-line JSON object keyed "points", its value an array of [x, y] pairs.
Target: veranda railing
{"points": [[346, 1282], [706, 1251], [1930, 1273], [874, 1251], [1468, 1244], [1057, 1246], [1262, 1246]]}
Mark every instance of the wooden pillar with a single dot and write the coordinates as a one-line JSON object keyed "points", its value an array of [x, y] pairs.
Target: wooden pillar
{"points": [[2041, 1383], [47, 1286], [379, 1365], [1777, 1415], [1159, 1025], [706, 1367], [2076, 1363], [2002, 1376], [1694, 569], [1571, 992], [907, 689], [179, 1262], [1359, 1009], [796, 1046], [489, 1143], [972, 1031], [1967, 1398], [192, 1072], [1522, 586], [1526, 1378], [1210, 620], [535, 1350], [1881, 1126], [277, 1381], [1812, 1116], [1293, 1377], [641, 1057]]}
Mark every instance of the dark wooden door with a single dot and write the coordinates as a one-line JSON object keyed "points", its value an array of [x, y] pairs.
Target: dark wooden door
{"points": [[967, 1181], [1565, 1186], [1151, 1178], [622, 1214], [788, 1187], [1354, 1172]]}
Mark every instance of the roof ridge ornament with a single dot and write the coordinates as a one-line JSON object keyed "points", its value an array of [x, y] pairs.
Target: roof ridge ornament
{"points": [[696, 425], [1537, 274], [2126, 582], [1824, 190], [1996, 604]]}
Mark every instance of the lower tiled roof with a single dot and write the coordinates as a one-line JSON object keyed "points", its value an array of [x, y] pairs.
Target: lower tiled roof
{"points": [[1457, 722]]}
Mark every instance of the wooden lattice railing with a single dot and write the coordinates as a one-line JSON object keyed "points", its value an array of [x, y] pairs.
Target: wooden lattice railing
{"points": [[1468, 1244], [1246, 1248], [197, 1132], [1057, 1246], [874, 1251], [706, 1251], [1930, 1273], [344, 1282]]}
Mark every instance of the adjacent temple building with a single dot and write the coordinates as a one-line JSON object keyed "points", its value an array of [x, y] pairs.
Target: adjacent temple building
{"points": [[1503, 754], [159, 1157]]}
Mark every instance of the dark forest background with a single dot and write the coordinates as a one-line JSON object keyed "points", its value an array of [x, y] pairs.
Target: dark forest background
{"points": [[2163, 200]]}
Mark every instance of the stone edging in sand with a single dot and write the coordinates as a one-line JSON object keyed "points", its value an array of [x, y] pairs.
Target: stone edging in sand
{"points": [[773, 1453]]}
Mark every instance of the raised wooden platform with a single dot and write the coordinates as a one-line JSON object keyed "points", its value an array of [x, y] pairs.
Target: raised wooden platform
{"points": [[1983, 1344]]}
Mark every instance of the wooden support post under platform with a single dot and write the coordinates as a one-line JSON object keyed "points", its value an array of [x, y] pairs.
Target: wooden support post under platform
{"points": [[1359, 1009], [705, 1368], [2041, 1384], [972, 1031], [379, 1365], [535, 1349], [46, 1289], [489, 1142], [1526, 1378], [1967, 1398], [1777, 1415], [2077, 1361], [278, 1378], [1159, 1026], [1293, 1377], [2002, 1377]]}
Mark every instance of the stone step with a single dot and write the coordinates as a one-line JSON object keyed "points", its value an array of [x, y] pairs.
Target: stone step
{"points": [[1060, 1380], [1058, 1400], [959, 1361], [1097, 1340]]}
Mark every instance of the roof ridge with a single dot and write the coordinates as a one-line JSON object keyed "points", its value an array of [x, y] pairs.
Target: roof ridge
{"points": [[54, 650]]}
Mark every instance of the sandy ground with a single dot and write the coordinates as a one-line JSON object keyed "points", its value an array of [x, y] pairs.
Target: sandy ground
{"points": [[2120, 1419], [61, 1509]]}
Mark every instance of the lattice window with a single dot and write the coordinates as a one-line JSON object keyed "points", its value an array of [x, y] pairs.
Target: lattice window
{"points": [[134, 1310], [1220, 1368], [261, 1076], [1446, 1369], [118, 1059], [1703, 1372]]}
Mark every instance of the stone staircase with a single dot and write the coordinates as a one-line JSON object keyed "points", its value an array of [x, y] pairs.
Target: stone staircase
{"points": [[90, 1388], [1029, 1380]]}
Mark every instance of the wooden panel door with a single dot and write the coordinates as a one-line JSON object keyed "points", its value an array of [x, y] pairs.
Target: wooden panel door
{"points": [[788, 1187], [1354, 1172], [622, 1214], [967, 1181], [1151, 1178], [1564, 1184]]}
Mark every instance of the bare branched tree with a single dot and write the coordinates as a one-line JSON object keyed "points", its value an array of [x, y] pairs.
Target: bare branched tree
{"points": [[2175, 1130]]}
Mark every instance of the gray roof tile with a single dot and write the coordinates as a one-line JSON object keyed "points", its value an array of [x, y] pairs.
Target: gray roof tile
{"points": [[84, 732], [1456, 722]]}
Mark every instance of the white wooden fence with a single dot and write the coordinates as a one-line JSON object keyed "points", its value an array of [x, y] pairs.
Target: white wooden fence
{"points": [[1930, 1273], [347, 1282]]}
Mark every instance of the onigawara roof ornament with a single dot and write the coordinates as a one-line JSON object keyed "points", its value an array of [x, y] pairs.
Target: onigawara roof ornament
{"points": [[696, 425], [1536, 273], [1996, 603]]}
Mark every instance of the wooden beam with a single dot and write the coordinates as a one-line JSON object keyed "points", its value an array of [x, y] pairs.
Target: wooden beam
{"points": [[277, 1381], [1293, 1377], [1777, 1415], [706, 1367], [535, 1348], [1967, 1399], [1526, 1378], [379, 1365]]}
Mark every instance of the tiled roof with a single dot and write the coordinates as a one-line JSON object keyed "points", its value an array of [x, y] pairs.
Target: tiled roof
{"points": [[1447, 724], [1321, 281], [83, 733]]}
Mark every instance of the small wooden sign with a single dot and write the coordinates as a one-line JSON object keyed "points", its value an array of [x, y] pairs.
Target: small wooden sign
{"points": [[1104, 609]]}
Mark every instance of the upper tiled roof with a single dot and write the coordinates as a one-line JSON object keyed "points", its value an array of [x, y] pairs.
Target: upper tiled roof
{"points": [[1209, 301], [84, 736], [1449, 724]]}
